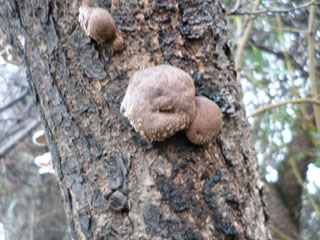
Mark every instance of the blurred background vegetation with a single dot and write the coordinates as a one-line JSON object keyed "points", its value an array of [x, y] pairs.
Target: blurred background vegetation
{"points": [[30, 203], [277, 51]]}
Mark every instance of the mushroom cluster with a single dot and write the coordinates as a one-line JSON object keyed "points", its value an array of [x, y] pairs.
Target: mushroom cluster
{"points": [[207, 122], [160, 101], [99, 24]]}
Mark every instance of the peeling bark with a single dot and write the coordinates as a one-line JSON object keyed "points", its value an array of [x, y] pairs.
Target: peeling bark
{"points": [[115, 184]]}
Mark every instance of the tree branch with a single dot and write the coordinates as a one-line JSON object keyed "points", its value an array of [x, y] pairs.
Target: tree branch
{"points": [[270, 106], [302, 184], [244, 40], [280, 234], [8, 105], [282, 56], [312, 74], [5, 148], [268, 10], [312, 154]]}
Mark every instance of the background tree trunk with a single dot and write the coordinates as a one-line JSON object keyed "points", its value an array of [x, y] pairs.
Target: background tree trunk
{"points": [[115, 184]]}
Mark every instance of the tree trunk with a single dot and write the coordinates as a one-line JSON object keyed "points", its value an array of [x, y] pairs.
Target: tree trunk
{"points": [[289, 189], [115, 184]]}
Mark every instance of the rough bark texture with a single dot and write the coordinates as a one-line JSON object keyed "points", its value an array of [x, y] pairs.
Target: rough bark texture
{"points": [[115, 184]]}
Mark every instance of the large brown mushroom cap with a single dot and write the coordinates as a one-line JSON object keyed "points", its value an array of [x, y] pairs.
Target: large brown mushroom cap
{"points": [[98, 23], [159, 101], [207, 122], [101, 25]]}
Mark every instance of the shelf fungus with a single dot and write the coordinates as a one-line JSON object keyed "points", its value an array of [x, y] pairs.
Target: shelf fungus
{"points": [[159, 101], [99, 24], [39, 138], [207, 123], [43, 161]]}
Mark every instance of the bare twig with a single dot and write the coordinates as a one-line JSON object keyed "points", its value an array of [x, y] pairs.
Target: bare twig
{"points": [[312, 154], [8, 105], [312, 74], [275, 105], [31, 221], [19, 118], [268, 10], [281, 38], [12, 131], [4, 169], [293, 89], [280, 235], [301, 182], [282, 56], [18, 137], [244, 40]]}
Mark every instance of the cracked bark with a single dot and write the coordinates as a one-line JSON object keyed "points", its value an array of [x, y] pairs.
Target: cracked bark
{"points": [[116, 185]]}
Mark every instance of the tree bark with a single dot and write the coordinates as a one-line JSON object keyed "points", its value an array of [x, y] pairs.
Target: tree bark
{"points": [[115, 184]]}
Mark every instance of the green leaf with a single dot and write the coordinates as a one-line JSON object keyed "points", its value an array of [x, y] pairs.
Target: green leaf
{"points": [[260, 1], [258, 59]]}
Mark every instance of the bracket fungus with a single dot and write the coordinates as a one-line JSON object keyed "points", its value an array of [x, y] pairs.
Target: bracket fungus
{"points": [[43, 161], [207, 122], [99, 24], [159, 101], [39, 138]]}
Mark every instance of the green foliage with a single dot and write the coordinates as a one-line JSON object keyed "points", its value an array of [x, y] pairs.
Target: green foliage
{"points": [[228, 2], [258, 59], [274, 69], [317, 154], [3, 189]]}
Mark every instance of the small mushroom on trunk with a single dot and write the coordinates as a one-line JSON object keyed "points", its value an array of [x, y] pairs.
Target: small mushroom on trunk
{"points": [[159, 101], [39, 138], [44, 161], [99, 24], [207, 123]]}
